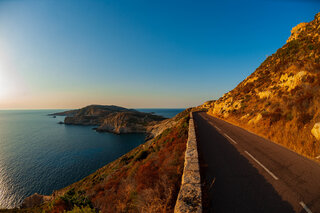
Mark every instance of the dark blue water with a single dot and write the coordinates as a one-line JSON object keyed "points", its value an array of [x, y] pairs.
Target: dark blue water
{"points": [[39, 155]]}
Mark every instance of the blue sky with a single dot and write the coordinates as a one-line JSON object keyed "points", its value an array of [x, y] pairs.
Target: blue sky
{"points": [[67, 54]]}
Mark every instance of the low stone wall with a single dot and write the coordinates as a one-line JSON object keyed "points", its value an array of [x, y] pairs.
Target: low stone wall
{"points": [[189, 198]]}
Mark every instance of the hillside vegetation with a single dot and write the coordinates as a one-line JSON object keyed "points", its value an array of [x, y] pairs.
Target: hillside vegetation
{"points": [[147, 179], [281, 99]]}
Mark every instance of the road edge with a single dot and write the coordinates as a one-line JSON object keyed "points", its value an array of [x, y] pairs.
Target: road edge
{"points": [[190, 194]]}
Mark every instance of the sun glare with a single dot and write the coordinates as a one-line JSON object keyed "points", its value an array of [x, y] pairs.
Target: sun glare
{"points": [[4, 86]]}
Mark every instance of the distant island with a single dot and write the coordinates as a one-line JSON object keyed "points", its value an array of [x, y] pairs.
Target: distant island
{"points": [[110, 118]]}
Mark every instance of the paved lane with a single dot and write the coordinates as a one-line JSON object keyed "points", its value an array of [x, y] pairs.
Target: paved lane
{"points": [[247, 173]]}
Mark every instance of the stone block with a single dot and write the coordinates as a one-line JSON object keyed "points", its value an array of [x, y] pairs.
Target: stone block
{"points": [[191, 144], [193, 153], [189, 199], [191, 177], [191, 166]]}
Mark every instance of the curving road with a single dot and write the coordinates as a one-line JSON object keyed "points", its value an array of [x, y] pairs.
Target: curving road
{"points": [[243, 172]]}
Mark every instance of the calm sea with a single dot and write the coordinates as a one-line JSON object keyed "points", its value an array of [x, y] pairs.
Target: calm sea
{"points": [[37, 155]]}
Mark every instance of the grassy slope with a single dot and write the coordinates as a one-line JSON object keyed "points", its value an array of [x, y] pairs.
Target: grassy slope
{"points": [[281, 99], [147, 179]]}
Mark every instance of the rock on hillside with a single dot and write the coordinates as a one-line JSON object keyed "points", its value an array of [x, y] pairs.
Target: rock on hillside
{"points": [[281, 99], [128, 122], [111, 119], [158, 128], [35, 200]]}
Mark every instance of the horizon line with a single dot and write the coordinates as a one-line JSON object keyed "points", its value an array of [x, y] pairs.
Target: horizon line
{"points": [[89, 105]]}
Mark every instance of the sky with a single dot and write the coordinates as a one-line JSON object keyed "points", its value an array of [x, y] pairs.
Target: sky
{"points": [[136, 53]]}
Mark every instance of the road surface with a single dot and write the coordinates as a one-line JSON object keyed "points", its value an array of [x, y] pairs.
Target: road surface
{"points": [[247, 173]]}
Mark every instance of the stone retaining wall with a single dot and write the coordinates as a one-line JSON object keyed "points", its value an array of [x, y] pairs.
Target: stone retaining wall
{"points": [[189, 198]]}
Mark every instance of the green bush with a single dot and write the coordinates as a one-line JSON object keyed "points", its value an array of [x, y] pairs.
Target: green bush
{"points": [[86, 209], [73, 198], [289, 116], [126, 159], [310, 47], [142, 155]]}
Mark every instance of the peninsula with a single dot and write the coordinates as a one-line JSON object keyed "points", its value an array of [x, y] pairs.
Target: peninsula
{"points": [[111, 118]]}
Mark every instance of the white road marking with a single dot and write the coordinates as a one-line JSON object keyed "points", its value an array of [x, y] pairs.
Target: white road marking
{"points": [[217, 128], [265, 168], [214, 179], [229, 138], [305, 207]]}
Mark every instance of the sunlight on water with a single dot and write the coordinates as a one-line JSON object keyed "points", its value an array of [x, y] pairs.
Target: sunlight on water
{"points": [[6, 198]]}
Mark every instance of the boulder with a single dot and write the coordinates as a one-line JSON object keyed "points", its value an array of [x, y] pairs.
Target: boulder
{"points": [[316, 131], [34, 200]]}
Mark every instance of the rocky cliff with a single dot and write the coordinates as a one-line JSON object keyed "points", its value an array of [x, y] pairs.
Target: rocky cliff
{"points": [[112, 119], [281, 99]]}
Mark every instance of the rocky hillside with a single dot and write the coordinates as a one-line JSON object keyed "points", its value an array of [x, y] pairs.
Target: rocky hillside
{"points": [[147, 179], [111, 119], [281, 99]]}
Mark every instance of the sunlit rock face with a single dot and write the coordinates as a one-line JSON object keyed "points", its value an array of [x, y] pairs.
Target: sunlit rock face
{"points": [[35, 200], [281, 99], [296, 31], [316, 131]]}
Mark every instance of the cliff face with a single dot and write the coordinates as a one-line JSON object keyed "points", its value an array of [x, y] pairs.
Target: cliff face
{"points": [[129, 122], [112, 119], [281, 99]]}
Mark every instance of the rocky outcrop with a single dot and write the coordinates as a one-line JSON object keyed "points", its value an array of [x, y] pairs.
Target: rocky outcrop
{"points": [[35, 200], [112, 118], [128, 122], [316, 131], [157, 128], [296, 31]]}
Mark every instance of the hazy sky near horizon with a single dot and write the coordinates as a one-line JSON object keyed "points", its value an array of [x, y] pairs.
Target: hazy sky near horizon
{"points": [[68, 54]]}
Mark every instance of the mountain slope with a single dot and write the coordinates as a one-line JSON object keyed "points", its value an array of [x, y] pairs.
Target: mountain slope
{"points": [[281, 99]]}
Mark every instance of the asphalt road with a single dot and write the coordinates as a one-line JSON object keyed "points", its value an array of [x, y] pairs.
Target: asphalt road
{"points": [[247, 173]]}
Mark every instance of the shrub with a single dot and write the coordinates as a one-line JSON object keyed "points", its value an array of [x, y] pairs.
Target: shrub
{"points": [[142, 155], [289, 116], [243, 106], [265, 113], [267, 104], [305, 118], [71, 198], [86, 209], [310, 47], [274, 117], [126, 159]]}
